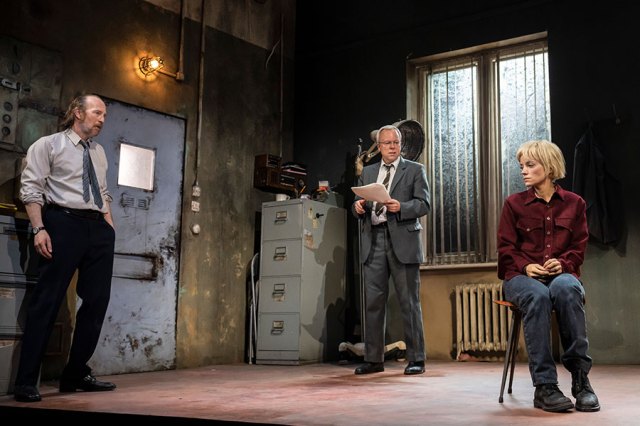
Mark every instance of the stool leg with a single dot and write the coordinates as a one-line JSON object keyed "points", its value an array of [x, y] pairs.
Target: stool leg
{"points": [[507, 358], [517, 320]]}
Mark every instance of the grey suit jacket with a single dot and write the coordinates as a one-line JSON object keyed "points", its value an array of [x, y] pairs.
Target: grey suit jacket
{"points": [[411, 189]]}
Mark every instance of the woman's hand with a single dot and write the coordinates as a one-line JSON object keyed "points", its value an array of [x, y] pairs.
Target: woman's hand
{"points": [[536, 271], [553, 266]]}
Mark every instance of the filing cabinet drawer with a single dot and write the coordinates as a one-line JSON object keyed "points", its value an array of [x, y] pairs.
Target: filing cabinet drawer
{"points": [[278, 332], [17, 256], [281, 221], [9, 356], [282, 257], [279, 294], [13, 308]]}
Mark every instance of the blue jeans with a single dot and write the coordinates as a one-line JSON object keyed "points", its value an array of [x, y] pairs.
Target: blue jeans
{"points": [[537, 300]]}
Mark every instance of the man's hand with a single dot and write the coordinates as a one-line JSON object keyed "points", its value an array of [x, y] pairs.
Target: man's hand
{"points": [[42, 243], [393, 206], [359, 206]]}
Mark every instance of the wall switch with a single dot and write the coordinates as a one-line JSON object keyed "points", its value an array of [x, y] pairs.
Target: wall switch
{"points": [[195, 191], [195, 206]]}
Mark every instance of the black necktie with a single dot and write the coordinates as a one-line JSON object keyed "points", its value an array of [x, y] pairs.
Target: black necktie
{"points": [[385, 182], [89, 177]]}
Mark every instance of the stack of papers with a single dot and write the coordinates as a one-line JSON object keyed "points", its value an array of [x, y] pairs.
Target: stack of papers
{"points": [[372, 192]]}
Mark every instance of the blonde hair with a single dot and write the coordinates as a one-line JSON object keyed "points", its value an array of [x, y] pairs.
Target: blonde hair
{"points": [[546, 153]]}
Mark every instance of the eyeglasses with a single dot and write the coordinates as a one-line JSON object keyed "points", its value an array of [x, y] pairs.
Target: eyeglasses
{"points": [[387, 143]]}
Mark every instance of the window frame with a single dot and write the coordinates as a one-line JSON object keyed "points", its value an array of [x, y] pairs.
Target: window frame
{"points": [[488, 133]]}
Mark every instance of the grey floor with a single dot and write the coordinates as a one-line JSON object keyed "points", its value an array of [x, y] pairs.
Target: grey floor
{"points": [[330, 394]]}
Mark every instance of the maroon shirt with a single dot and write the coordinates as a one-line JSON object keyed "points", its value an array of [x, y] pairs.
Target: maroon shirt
{"points": [[534, 231]]}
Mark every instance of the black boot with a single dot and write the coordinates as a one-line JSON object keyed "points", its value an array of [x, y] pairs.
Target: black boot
{"points": [[586, 399], [550, 398]]}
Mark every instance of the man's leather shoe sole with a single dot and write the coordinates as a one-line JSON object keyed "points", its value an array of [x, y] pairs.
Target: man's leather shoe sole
{"points": [[414, 367], [370, 367], [26, 394], [87, 384]]}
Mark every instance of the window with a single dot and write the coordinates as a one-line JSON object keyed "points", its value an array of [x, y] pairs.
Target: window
{"points": [[477, 106]]}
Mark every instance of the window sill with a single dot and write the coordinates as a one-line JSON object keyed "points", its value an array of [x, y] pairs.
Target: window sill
{"points": [[482, 266]]}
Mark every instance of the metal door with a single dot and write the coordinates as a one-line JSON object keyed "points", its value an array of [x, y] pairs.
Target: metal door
{"points": [[139, 330]]}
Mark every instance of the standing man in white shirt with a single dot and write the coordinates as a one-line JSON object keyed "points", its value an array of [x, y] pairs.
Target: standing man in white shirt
{"points": [[64, 189]]}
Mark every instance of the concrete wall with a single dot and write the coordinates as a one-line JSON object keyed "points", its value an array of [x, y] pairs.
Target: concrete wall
{"points": [[247, 110]]}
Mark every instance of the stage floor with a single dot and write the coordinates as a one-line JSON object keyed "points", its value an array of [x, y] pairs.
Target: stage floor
{"points": [[330, 394]]}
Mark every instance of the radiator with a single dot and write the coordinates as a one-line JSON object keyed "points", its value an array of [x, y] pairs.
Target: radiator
{"points": [[482, 326]]}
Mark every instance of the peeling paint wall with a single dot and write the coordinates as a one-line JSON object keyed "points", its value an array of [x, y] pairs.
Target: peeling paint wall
{"points": [[247, 110], [254, 21]]}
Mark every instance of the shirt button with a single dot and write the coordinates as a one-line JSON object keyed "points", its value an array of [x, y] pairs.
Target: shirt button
{"points": [[548, 245], [548, 218], [548, 232], [546, 255], [528, 229]]}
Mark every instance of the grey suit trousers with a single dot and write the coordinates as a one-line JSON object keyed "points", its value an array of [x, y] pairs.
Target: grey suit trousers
{"points": [[380, 265]]}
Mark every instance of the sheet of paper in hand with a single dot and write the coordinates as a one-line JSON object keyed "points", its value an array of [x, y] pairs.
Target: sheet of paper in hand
{"points": [[372, 192]]}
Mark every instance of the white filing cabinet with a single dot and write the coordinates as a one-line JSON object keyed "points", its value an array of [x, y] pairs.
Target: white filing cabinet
{"points": [[301, 293]]}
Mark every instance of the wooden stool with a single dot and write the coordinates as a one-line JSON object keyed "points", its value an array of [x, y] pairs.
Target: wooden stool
{"points": [[512, 346]]}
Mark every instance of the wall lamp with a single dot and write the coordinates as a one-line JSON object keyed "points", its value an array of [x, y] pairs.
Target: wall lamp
{"points": [[149, 65]]}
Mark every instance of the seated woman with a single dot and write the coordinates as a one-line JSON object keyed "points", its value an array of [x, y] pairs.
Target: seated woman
{"points": [[542, 239]]}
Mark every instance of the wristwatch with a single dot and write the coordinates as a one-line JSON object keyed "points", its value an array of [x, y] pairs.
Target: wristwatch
{"points": [[36, 229]]}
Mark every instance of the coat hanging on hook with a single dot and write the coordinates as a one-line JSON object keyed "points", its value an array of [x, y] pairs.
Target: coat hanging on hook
{"points": [[599, 188]]}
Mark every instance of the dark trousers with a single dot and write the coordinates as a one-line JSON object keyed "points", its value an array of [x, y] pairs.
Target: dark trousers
{"points": [[537, 300], [381, 264], [78, 243]]}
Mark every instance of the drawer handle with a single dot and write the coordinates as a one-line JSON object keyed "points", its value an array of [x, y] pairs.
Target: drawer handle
{"points": [[278, 292], [277, 327], [281, 217], [280, 254]]}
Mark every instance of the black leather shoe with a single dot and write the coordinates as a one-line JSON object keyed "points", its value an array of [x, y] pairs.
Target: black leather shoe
{"points": [[25, 393], [414, 367], [586, 399], [370, 367], [88, 384], [550, 398]]}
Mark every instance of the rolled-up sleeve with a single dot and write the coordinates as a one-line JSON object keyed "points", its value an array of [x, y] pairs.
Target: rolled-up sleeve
{"points": [[34, 176]]}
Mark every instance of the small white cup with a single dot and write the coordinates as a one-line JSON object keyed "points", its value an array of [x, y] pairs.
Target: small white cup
{"points": [[282, 197]]}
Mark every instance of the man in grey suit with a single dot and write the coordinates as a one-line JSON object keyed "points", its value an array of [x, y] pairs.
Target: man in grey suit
{"points": [[391, 247]]}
